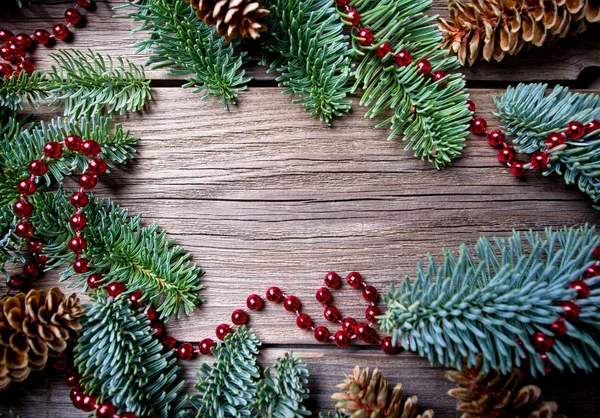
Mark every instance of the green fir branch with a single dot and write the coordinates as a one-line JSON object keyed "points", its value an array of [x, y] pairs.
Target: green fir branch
{"points": [[121, 250], [180, 40], [311, 53], [529, 114], [23, 88], [434, 119], [486, 303], [140, 377]]}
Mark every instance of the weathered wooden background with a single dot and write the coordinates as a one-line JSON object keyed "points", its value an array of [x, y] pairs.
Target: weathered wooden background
{"points": [[264, 194]]}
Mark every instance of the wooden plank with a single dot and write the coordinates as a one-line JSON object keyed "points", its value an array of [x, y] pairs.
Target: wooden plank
{"points": [[561, 62]]}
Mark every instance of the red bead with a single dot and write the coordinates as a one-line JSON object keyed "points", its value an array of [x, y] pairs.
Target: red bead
{"points": [[540, 159], [136, 299], [274, 294], [592, 126], [333, 280], [365, 36], [323, 296], [303, 321], [582, 288], [371, 313], [424, 66], [575, 130], [106, 410], [97, 166], [239, 317], [370, 294], [77, 244], [16, 51], [570, 310], [151, 313], [23, 40], [26, 186], [33, 244], [53, 149], [478, 126], [321, 334], [84, 3], [87, 403], [222, 331], [185, 351], [547, 364], [592, 271], [41, 259], [23, 229], [157, 329], [88, 181], [559, 328], [348, 325], [383, 49], [292, 304], [5, 36], [387, 346], [496, 138], [471, 105], [353, 17], [38, 167], [355, 280], [542, 342], [22, 208], [73, 142], [31, 269], [555, 139], [72, 380], [437, 76], [596, 253], [94, 281], [332, 314], [79, 199], [169, 343], [365, 332], [402, 58], [517, 168], [78, 221], [60, 31], [205, 346], [41, 37], [15, 282], [76, 396], [5, 53], [81, 266], [90, 148], [5, 70], [506, 154], [25, 66], [128, 415], [72, 16], [254, 302], [342, 339], [115, 289], [341, 3]]}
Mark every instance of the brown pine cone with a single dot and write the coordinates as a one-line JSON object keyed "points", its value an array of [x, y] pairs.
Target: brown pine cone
{"points": [[34, 327], [495, 28], [232, 18], [494, 395], [364, 398]]}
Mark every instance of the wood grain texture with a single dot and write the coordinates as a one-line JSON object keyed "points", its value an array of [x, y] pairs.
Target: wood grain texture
{"points": [[264, 194]]}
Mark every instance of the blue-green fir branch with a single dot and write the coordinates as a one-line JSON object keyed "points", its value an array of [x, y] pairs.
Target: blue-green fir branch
{"points": [[433, 119], [530, 114], [179, 40], [505, 292]]}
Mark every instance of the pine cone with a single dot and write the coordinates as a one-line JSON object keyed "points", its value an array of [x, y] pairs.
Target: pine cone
{"points": [[361, 398], [494, 28], [493, 395], [232, 18], [34, 327]]}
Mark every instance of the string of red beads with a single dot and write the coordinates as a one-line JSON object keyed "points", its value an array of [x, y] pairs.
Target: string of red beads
{"points": [[574, 131], [13, 48]]}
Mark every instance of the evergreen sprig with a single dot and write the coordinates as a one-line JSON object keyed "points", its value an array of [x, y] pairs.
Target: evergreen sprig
{"points": [[121, 362], [311, 53], [16, 90], [119, 248], [493, 302], [180, 40], [529, 114], [230, 387], [433, 118]]}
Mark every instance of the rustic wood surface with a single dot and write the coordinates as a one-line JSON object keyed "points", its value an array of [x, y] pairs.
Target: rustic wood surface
{"points": [[264, 194]]}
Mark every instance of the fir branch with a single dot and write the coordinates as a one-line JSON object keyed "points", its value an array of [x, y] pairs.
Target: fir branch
{"points": [[9, 244], [179, 39], [529, 114], [140, 377], [21, 88], [487, 303], [311, 53], [121, 250], [85, 83], [434, 119]]}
